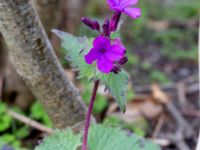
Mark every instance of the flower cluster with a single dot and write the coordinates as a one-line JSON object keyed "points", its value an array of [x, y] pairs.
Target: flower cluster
{"points": [[108, 53]]}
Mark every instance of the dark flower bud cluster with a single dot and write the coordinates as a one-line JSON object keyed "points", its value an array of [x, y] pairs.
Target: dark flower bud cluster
{"points": [[94, 25]]}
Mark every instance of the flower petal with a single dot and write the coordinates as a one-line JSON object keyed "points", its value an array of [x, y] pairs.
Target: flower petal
{"points": [[104, 65], [118, 41], [115, 53], [118, 49], [101, 42], [127, 3], [91, 56], [132, 12], [112, 3]]}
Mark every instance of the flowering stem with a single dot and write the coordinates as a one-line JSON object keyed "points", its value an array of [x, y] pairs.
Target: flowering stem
{"points": [[88, 116]]}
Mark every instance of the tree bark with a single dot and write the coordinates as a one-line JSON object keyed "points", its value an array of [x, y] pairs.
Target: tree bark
{"points": [[3, 56], [37, 64], [49, 12], [12, 88], [72, 13]]}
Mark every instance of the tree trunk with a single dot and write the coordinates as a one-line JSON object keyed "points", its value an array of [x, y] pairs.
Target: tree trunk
{"points": [[72, 13], [3, 56], [12, 88], [49, 12], [37, 64]]}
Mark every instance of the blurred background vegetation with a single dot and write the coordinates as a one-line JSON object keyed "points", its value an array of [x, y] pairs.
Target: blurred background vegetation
{"points": [[162, 48]]}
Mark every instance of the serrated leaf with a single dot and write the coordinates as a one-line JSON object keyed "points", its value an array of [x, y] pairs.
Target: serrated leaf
{"points": [[117, 85], [102, 137], [61, 140], [75, 48]]}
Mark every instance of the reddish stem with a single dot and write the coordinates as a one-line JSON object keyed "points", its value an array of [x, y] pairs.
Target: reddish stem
{"points": [[88, 116]]}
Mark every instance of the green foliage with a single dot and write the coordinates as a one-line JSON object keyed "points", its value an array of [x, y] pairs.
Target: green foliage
{"points": [[61, 140], [180, 54], [2, 143], [132, 59], [184, 8], [4, 146], [5, 119], [38, 113], [22, 132], [17, 129], [117, 85], [101, 137], [76, 48], [11, 140], [158, 76], [139, 127]]}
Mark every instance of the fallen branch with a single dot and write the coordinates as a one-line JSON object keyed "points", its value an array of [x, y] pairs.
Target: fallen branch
{"points": [[191, 85], [179, 119], [30, 122], [158, 127], [162, 142], [177, 139], [198, 143]]}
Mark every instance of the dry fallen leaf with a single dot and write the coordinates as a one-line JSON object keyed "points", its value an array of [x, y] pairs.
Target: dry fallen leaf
{"points": [[158, 95], [136, 109]]}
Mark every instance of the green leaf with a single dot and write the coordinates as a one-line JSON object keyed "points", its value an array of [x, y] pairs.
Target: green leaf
{"points": [[5, 119], [2, 143], [117, 85], [22, 132], [38, 113], [102, 137], [61, 140], [76, 47]]}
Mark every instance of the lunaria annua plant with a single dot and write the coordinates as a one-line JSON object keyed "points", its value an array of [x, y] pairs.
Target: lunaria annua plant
{"points": [[100, 60], [109, 54]]}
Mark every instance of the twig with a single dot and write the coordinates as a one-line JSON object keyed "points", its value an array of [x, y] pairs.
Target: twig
{"points": [[162, 142], [181, 94], [183, 127], [198, 144], [158, 126], [193, 113], [30, 122], [180, 120], [176, 139], [191, 85]]}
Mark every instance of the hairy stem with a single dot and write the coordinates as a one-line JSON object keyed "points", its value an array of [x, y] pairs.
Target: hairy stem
{"points": [[88, 116]]}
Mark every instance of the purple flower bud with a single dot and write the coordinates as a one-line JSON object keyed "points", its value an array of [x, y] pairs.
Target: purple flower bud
{"points": [[123, 60], [94, 25], [114, 21], [106, 28], [116, 69], [97, 26]]}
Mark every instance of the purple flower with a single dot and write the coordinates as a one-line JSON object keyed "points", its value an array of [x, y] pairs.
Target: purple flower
{"points": [[125, 6], [105, 53]]}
